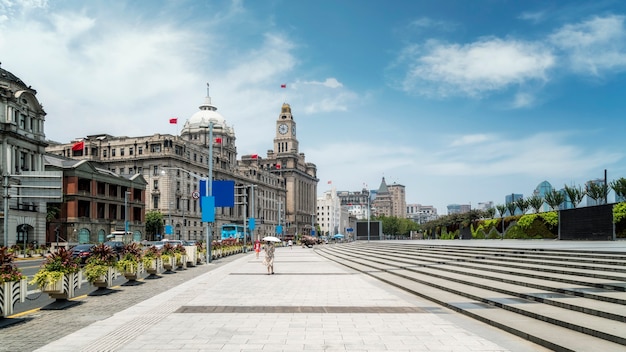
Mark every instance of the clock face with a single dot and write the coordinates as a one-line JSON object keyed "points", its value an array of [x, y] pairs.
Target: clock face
{"points": [[282, 129], [293, 130]]}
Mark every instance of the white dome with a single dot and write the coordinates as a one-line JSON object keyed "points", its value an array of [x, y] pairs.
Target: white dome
{"points": [[207, 113]]}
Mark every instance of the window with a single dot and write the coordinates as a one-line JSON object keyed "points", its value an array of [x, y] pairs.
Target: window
{"points": [[155, 202], [130, 151], [155, 148], [155, 170], [112, 151], [178, 185], [122, 151], [156, 184], [140, 150], [104, 153], [122, 170]]}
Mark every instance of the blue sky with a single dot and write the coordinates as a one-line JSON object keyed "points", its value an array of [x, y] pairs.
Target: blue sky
{"points": [[460, 101]]}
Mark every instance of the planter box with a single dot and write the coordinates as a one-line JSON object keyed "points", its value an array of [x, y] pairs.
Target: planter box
{"points": [[192, 255], [10, 293], [155, 266], [64, 288], [133, 275], [106, 280]]}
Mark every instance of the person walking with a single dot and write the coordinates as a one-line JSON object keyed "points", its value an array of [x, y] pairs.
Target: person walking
{"points": [[269, 257], [257, 248]]}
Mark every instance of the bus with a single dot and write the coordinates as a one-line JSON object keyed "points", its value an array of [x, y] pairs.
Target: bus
{"points": [[234, 231]]}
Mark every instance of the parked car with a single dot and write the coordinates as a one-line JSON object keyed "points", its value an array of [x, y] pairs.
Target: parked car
{"points": [[82, 252], [117, 246], [173, 243]]}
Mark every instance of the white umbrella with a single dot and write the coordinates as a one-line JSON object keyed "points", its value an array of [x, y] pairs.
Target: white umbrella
{"points": [[271, 239]]}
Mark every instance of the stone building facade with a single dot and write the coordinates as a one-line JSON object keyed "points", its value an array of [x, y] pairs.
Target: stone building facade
{"points": [[22, 147], [173, 165]]}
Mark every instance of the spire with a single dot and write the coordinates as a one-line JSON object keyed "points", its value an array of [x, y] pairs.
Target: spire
{"points": [[383, 187], [207, 101]]}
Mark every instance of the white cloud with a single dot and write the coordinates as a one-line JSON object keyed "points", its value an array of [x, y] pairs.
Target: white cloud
{"points": [[593, 46], [534, 17], [474, 69], [470, 139]]}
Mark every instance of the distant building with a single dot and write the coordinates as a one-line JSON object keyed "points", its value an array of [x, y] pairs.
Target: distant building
{"points": [[329, 213], [421, 213], [542, 190], [591, 201], [390, 200], [485, 205], [285, 184], [459, 208], [357, 203]]}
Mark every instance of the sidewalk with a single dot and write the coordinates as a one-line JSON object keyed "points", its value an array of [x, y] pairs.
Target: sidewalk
{"points": [[310, 304]]}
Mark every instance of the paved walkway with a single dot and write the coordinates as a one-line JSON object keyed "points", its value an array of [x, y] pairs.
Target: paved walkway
{"points": [[310, 304]]}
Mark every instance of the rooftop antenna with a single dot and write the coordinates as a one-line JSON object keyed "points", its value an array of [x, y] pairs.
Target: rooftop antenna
{"points": [[207, 90]]}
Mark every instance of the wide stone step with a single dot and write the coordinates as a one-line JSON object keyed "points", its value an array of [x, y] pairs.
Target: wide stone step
{"points": [[600, 319]]}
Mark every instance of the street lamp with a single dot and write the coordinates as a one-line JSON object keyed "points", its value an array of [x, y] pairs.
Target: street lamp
{"points": [[126, 195], [198, 177]]}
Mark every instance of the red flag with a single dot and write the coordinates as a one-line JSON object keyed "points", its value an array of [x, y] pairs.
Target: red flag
{"points": [[218, 140], [255, 156], [277, 166], [174, 120], [78, 146], [330, 182], [283, 86]]}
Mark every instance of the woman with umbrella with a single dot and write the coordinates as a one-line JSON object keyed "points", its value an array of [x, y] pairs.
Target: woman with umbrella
{"points": [[269, 254]]}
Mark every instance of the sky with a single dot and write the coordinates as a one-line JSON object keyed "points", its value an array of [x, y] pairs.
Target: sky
{"points": [[461, 102]]}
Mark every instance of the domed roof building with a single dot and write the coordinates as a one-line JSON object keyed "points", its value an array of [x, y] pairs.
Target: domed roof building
{"points": [[22, 149]]}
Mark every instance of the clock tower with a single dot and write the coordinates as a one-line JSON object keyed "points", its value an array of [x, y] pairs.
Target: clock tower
{"points": [[285, 141], [300, 178]]}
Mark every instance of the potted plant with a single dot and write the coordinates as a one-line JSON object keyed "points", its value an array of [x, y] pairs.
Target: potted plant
{"points": [[13, 284], [180, 255], [152, 262], [100, 268], [200, 252], [59, 275], [168, 258], [131, 262]]}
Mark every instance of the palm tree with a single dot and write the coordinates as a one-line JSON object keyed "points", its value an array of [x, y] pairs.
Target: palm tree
{"points": [[619, 186], [575, 194], [554, 199], [522, 204], [597, 192], [490, 212], [511, 207], [536, 201], [501, 209]]}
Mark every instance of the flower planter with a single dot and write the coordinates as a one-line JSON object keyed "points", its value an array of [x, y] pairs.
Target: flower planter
{"points": [[11, 292], [65, 288], [181, 262], [106, 280], [133, 275], [155, 266], [192, 254]]}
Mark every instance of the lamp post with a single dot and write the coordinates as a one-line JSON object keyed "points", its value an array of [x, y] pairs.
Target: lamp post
{"points": [[126, 195], [198, 177]]}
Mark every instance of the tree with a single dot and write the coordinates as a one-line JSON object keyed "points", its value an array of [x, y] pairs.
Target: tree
{"points": [[511, 207], [501, 209], [522, 204], [154, 223], [536, 201], [554, 199], [619, 187], [597, 192], [575, 194]]}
